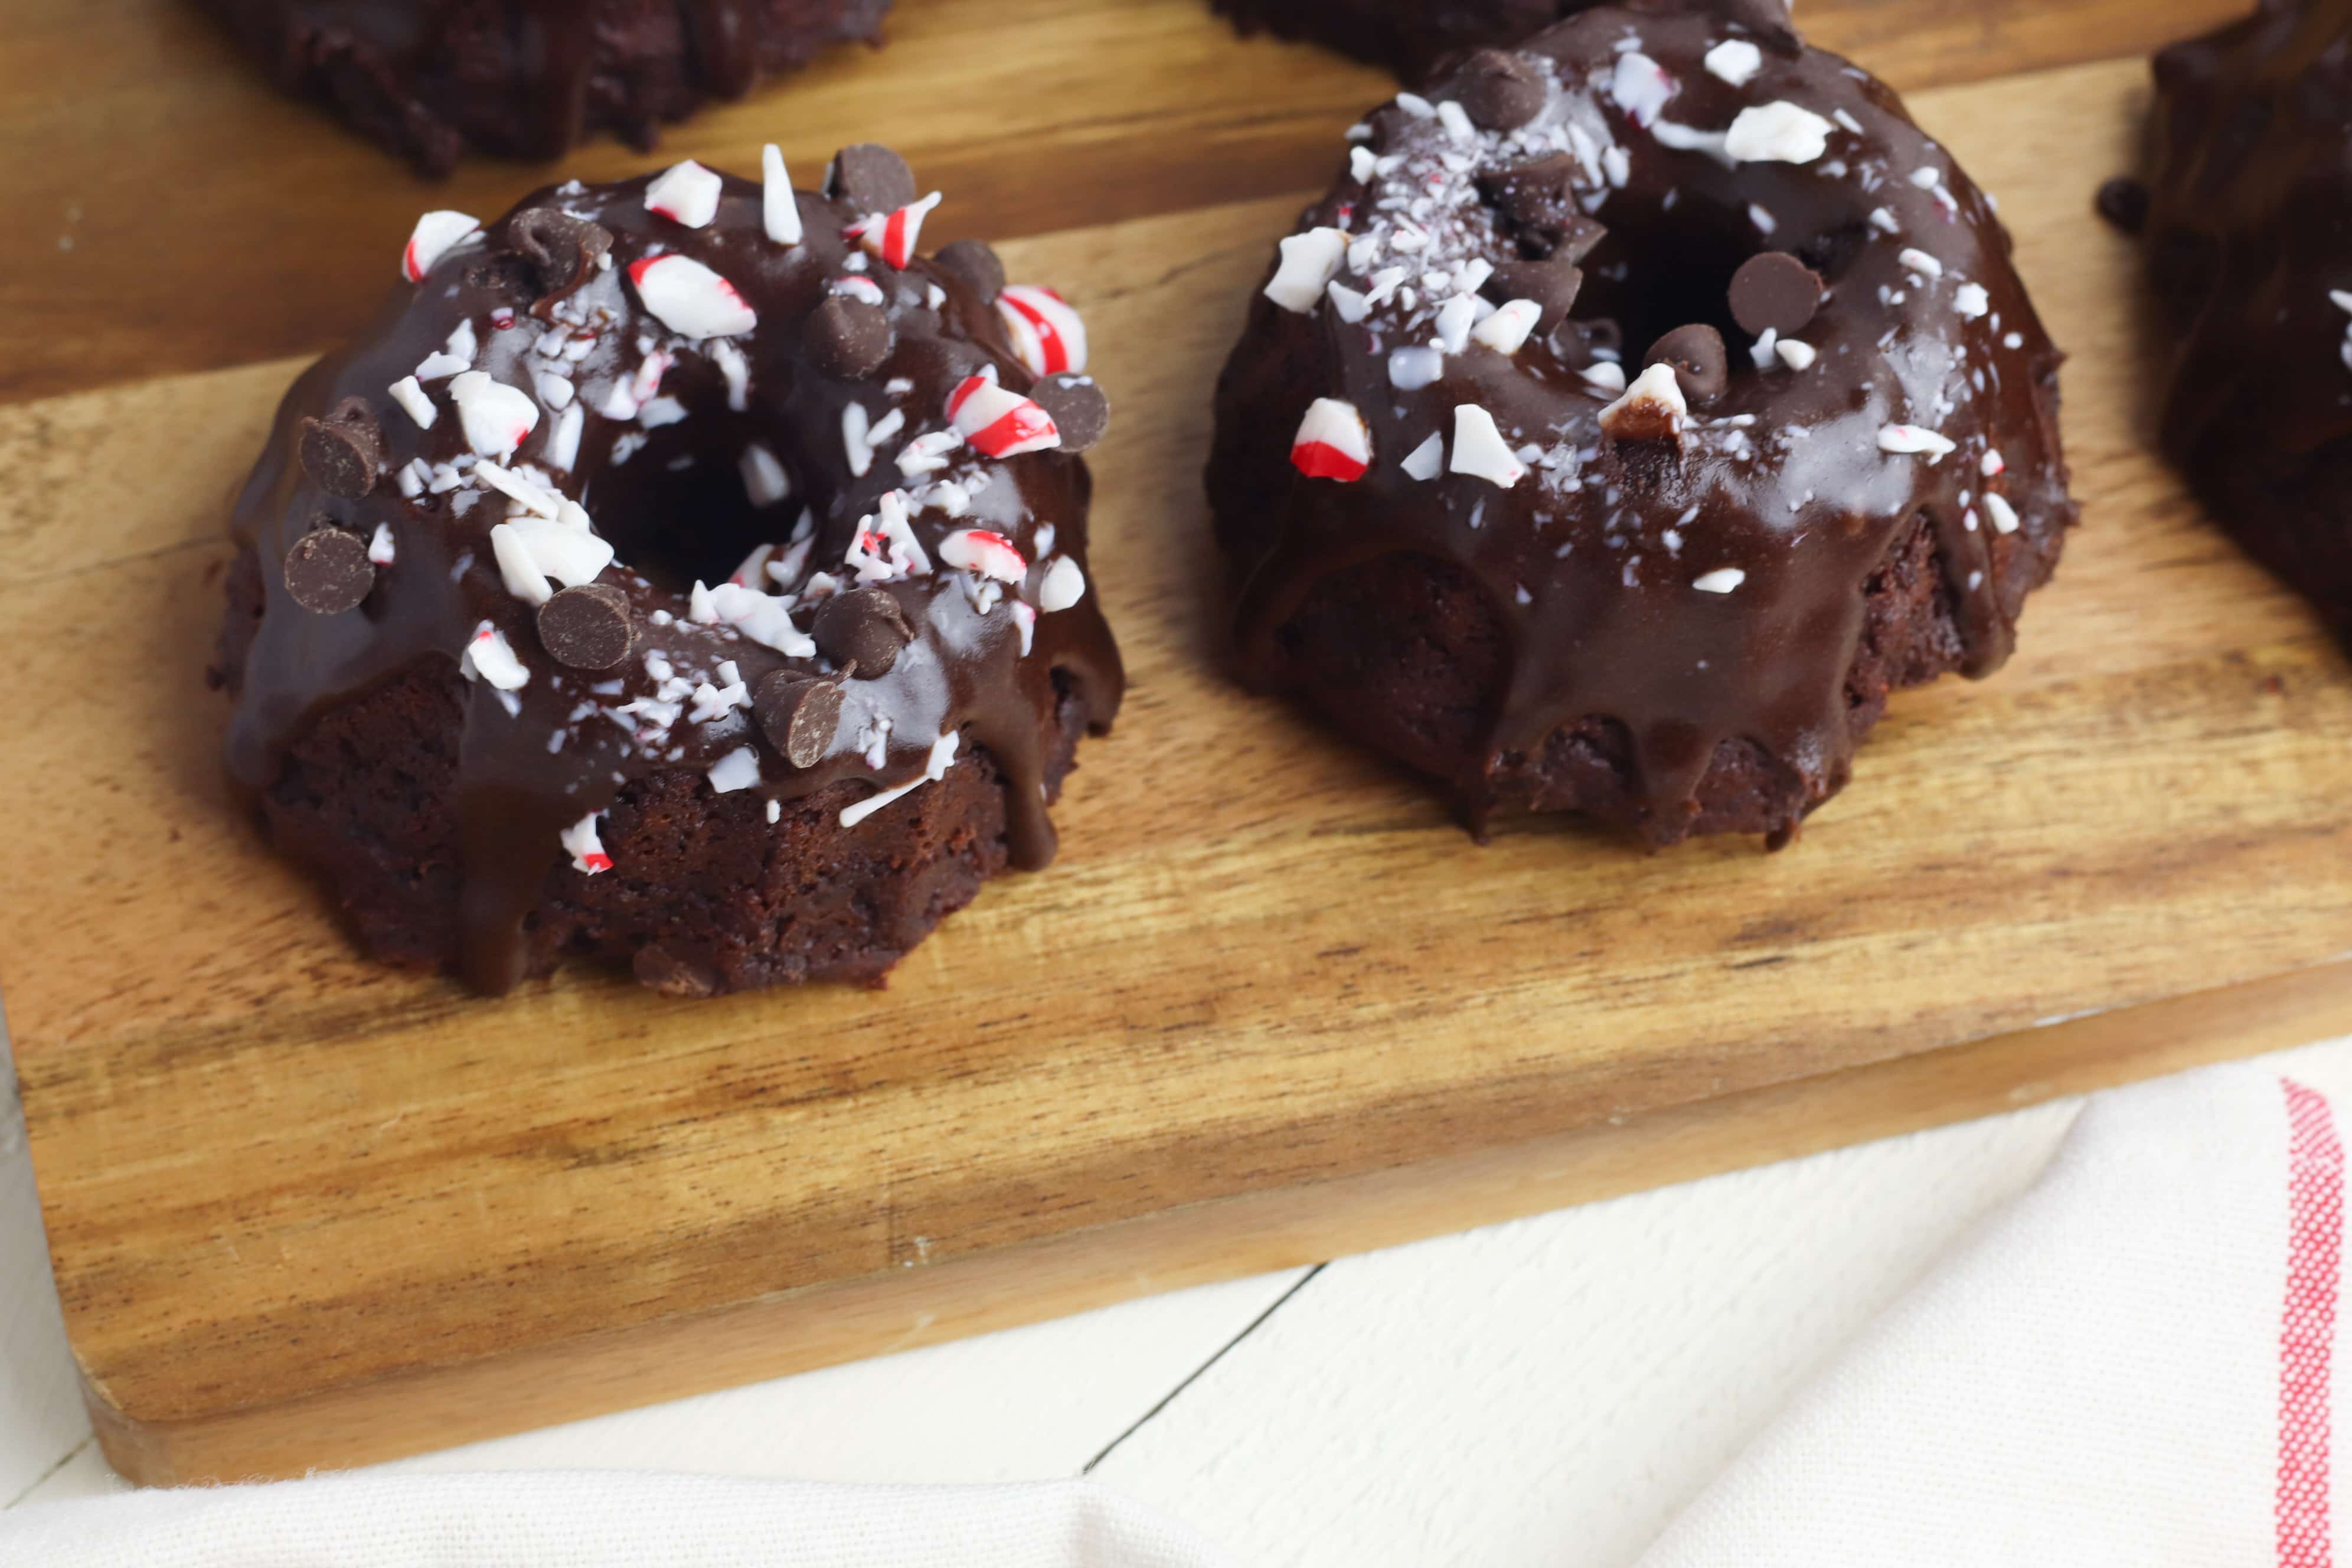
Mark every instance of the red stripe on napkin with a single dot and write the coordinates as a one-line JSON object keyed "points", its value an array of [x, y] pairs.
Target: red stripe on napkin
{"points": [[2308, 1326]]}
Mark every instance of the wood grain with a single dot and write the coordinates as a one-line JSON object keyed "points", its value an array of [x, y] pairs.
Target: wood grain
{"points": [[184, 218], [1271, 1005]]}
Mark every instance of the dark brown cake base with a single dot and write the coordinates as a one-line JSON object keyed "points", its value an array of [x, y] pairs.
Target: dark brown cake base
{"points": [[707, 897], [2248, 219], [1408, 36], [1405, 656], [433, 80]]}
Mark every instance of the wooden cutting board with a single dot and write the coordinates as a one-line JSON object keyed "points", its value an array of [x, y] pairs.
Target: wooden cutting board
{"points": [[1271, 1005]]}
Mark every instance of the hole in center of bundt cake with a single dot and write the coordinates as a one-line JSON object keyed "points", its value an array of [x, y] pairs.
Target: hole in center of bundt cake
{"points": [[1661, 267], [676, 508]]}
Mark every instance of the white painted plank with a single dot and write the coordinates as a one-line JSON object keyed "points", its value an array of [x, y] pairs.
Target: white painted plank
{"points": [[1554, 1390], [41, 1416]]}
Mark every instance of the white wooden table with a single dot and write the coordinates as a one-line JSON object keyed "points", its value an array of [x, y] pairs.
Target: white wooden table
{"points": [[1550, 1390]]}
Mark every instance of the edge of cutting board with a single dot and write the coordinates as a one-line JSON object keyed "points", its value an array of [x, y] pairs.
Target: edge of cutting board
{"points": [[897, 1310]]}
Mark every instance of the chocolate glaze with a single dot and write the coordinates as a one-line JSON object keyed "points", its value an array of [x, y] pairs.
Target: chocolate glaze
{"points": [[2248, 217], [1409, 37], [665, 489], [432, 78], [1590, 563]]}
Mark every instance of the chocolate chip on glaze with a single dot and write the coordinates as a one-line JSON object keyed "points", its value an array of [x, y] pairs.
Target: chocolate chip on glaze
{"points": [[328, 570], [871, 178], [1499, 91], [343, 451], [562, 252], [1080, 412], [1652, 557], [863, 630], [800, 715], [977, 264], [588, 627], [1773, 292], [1701, 367], [849, 337]]}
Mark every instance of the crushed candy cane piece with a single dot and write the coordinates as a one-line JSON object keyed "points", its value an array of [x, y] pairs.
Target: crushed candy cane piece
{"points": [[1776, 132], [1722, 580], [1427, 460], [1507, 330], [496, 417], [1972, 300], [1309, 261], [1480, 451], [436, 233], [1048, 334], [780, 210], [410, 394], [1333, 442], [685, 193], [738, 769], [988, 553], [765, 479], [1908, 439], [381, 549], [490, 655], [1063, 586], [1990, 463], [2003, 515], [936, 767], [893, 235], [1735, 60], [998, 422], [690, 299], [585, 847]]}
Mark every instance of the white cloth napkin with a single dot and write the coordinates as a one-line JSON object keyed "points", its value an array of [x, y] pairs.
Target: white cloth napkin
{"points": [[2131, 1364]]}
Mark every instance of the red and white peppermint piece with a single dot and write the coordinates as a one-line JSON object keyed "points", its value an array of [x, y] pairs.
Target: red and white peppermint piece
{"points": [[690, 299], [490, 655], [497, 417], [435, 233], [1000, 423], [1505, 331], [2003, 515], [892, 235], [990, 554], [381, 551], [1914, 438], [1046, 332], [765, 479], [863, 289], [1480, 451], [1991, 462], [411, 395], [1024, 619], [586, 849], [685, 193], [529, 549], [780, 209], [1333, 442]]}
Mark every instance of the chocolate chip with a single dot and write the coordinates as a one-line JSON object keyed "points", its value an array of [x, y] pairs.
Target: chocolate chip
{"points": [[1077, 406], [976, 264], [1552, 284], [561, 250], [1774, 292], [1696, 351], [865, 629], [587, 627], [847, 338], [343, 451], [2123, 203], [871, 178], [799, 714], [328, 570], [1499, 91]]}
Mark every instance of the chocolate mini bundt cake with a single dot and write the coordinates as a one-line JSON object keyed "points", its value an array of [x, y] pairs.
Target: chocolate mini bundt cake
{"points": [[485, 689], [2248, 218], [435, 79], [1639, 409]]}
